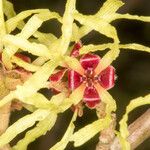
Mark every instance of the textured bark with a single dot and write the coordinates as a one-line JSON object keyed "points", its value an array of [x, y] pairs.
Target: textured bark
{"points": [[139, 131], [107, 136]]}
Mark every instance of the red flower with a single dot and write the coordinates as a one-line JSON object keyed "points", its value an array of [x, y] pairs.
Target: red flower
{"points": [[106, 78], [89, 62]]}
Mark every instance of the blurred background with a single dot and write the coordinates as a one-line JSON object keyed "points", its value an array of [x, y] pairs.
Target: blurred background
{"points": [[132, 67]]}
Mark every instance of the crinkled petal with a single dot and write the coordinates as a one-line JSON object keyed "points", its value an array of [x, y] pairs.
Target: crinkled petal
{"points": [[40, 129], [23, 124], [56, 77], [91, 96], [89, 61], [107, 77], [67, 25], [74, 79], [75, 50], [74, 64], [84, 134]]}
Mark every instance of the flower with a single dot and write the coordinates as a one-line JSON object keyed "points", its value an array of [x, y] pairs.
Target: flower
{"points": [[105, 78], [90, 78]]}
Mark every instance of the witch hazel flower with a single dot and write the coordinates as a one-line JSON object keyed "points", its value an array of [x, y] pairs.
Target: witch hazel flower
{"points": [[91, 77]]}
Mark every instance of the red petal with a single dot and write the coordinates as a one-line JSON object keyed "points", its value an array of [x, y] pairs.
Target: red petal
{"points": [[107, 77], [74, 79], [89, 61], [91, 96], [23, 57], [75, 50], [57, 76]]}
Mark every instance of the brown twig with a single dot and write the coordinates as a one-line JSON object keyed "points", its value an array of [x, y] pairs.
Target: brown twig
{"points": [[107, 135], [139, 131]]}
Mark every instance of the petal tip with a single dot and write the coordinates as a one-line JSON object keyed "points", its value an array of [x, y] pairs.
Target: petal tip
{"points": [[89, 61], [107, 78], [91, 97]]}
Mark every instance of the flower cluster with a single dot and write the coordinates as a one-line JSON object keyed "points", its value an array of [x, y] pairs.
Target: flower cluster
{"points": [[90, 79]]}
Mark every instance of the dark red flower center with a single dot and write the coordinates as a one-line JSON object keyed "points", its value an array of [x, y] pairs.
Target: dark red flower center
{"points": [[89, 77]]}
